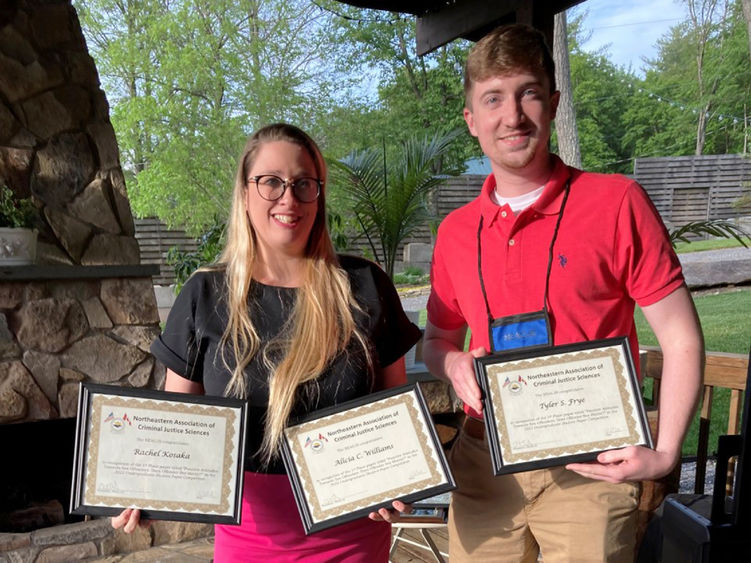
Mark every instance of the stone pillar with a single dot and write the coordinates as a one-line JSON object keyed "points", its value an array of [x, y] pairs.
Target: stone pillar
{"points": [[56, 141]]}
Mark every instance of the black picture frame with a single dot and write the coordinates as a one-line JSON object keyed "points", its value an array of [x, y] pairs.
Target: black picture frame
{"points": [[516, 419], [406, 403], [94, 454]]}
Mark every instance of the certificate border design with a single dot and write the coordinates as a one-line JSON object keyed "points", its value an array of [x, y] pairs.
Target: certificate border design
{"points": [[633, 432], [98, 402], [441, 480], [318, 514], [616, 349], [90, 400]]}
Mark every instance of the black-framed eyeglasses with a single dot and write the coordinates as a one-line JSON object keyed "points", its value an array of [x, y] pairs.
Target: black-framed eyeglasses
{"points": [[271, 187]]}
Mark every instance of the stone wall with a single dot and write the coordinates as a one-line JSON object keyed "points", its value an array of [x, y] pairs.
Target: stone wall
{"points": [[56, 141], [94, 540], [86, 311], [57, 333]]}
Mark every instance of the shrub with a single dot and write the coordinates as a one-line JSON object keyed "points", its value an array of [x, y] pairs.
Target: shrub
{"points": [[16, 213]]}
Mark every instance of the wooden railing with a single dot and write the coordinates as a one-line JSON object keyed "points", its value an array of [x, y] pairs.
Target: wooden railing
{"points": [[722, 370]]}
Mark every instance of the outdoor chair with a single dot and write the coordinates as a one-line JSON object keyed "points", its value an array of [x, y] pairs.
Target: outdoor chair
{"points": [[714, 528], [429, 514]]}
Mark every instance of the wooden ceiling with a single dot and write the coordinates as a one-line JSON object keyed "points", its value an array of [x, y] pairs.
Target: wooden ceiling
{"points": [[440, 22]]}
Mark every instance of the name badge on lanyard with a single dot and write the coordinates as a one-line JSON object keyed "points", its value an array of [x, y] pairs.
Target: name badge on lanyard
{"points": [[527, 330], [524, 330]]}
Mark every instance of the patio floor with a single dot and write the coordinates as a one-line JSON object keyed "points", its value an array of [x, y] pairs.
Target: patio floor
{"points": [[202, 551]]}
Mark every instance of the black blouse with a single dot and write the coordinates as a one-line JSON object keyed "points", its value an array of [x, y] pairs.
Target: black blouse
{"points": [[189, 344]]}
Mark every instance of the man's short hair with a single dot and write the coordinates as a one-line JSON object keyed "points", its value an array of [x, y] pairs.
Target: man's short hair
{"points": [[507, 49]]}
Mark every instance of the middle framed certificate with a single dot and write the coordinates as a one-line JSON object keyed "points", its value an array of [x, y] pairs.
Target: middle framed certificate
{"points": [[347, 461], [561, 405]]}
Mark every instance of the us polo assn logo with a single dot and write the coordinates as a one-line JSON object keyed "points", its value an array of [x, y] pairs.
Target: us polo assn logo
{"points": [[515, 387], [316, 444], [118, 424]]}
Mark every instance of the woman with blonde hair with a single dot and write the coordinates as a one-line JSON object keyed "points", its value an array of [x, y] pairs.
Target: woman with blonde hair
{"points": [[284, 322]]}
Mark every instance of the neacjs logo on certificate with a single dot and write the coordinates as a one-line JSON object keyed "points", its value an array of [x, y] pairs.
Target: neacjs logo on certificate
{"points": [[316, 444]]}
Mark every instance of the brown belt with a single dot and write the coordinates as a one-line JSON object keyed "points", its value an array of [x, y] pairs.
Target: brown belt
{"points": [[474, 427]]}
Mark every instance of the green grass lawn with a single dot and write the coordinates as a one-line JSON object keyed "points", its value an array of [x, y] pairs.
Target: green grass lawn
{"points": [[709, 244], [725, 323]]}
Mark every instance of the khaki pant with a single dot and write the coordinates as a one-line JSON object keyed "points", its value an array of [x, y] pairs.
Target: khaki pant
{"points": [[510, 518]]}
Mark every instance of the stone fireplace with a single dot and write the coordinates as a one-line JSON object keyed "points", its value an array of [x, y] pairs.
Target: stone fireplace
{"points": [[86, 310]]}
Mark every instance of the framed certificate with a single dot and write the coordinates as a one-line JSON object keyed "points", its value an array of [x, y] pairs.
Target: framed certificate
{"points": [[561, 405], [347, 461], [175, 456]]}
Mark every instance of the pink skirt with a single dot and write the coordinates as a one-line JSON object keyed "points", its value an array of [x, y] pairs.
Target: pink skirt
{"points": [[270, 531]]}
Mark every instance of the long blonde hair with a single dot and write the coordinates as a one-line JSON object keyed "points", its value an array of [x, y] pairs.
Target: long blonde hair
{"points": [[321, 325]]}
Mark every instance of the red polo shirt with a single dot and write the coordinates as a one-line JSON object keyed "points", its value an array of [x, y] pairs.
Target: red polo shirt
{"points": [[612, 250]]}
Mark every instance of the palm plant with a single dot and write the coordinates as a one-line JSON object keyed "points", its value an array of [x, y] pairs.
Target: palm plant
{"points": [[388, 199], [720, 228]]}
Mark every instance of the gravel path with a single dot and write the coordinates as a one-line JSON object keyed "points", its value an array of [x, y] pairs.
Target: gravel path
{"points": [[415, 299], [688, 474], [738, 253]]}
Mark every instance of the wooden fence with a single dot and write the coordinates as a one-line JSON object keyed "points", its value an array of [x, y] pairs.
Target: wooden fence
{"points": [[155, 240], [695, 188], [683, 188]]}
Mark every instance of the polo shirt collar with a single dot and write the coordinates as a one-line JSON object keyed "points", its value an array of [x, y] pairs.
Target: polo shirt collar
{"points": [[549, 202]]}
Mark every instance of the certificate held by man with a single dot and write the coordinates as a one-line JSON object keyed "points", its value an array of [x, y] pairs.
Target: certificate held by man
{"points": [[350, 460], [173, 455], [561, 405]]}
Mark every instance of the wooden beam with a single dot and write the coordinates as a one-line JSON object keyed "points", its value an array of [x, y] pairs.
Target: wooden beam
{"points": [[538, 15], [472, 19], [462, 19]]}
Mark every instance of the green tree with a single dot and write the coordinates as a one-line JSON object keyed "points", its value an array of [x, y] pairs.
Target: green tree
{"points": [[408, 94], [694, 98], [388, 197], [188, 80], [117, 38]]}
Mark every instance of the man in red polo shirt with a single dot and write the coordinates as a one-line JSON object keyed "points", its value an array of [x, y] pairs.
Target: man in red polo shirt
{"points": [[584, 248]]}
